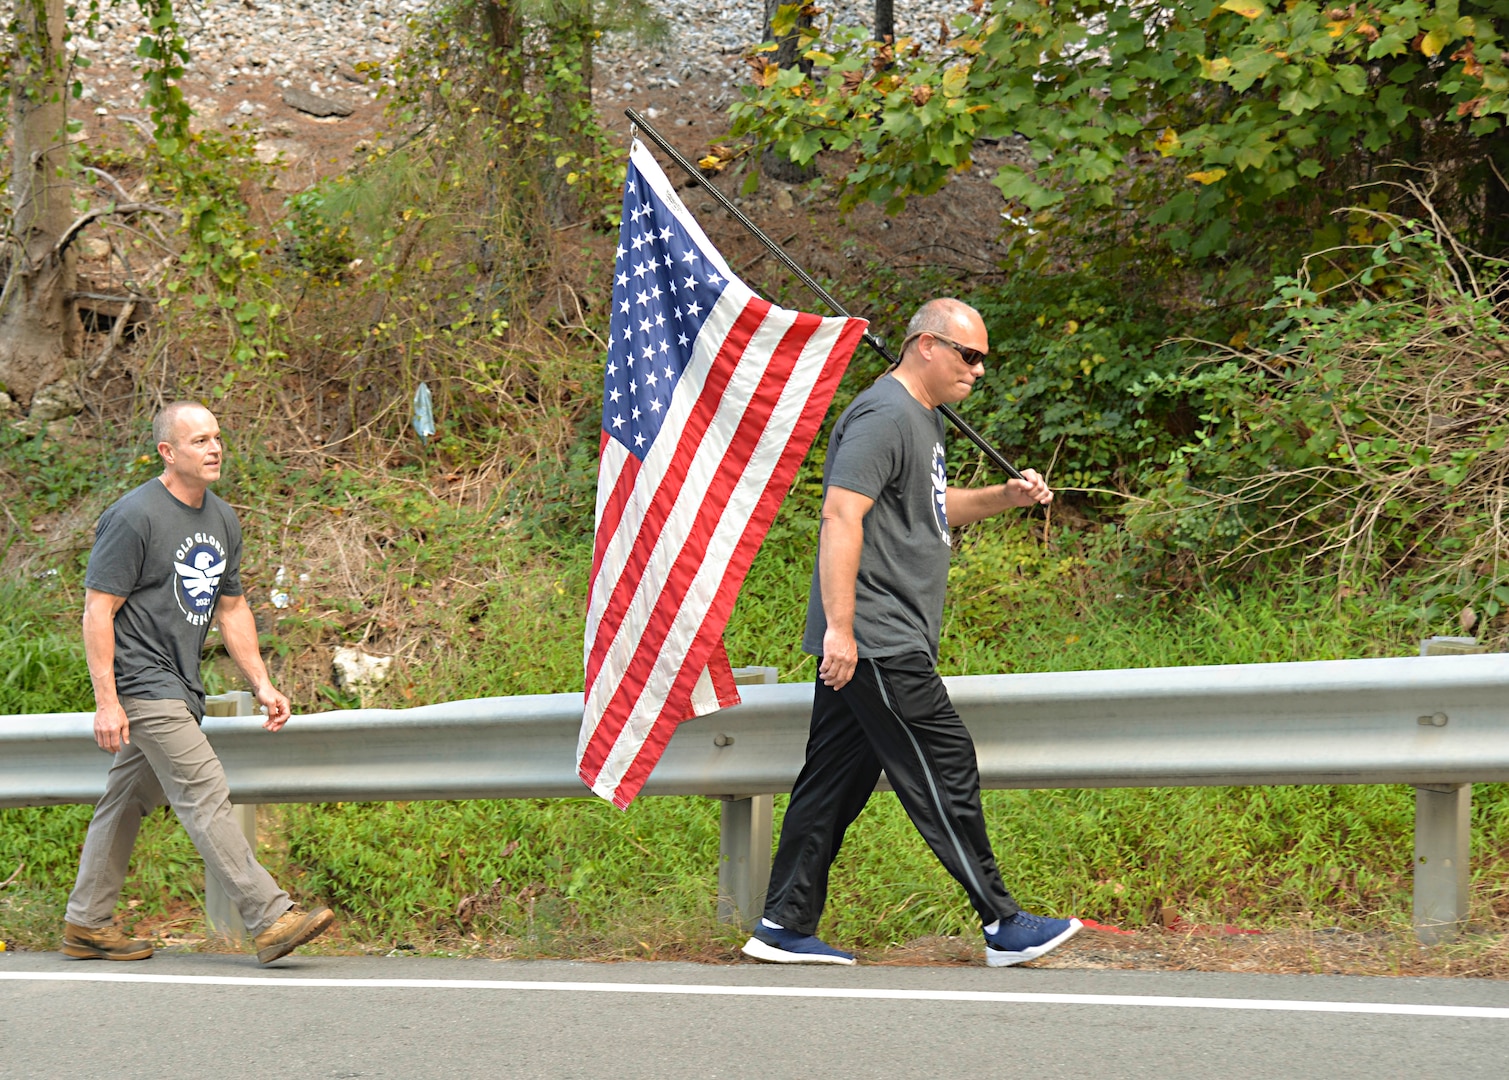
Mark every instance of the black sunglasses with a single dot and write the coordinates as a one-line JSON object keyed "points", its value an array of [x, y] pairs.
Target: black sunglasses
{"points": [[971, 357]]}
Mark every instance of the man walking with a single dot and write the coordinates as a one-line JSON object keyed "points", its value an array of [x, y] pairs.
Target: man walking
{"points": [[166, 562], [873, 618]]}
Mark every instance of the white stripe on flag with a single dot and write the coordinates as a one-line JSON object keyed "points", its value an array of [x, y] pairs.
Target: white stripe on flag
{"points": [[620, 652], [653, 469], [725, 540], [615, 456]]}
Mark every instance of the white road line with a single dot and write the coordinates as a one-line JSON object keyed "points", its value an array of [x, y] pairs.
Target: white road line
{"points": [[1375, 1008]]}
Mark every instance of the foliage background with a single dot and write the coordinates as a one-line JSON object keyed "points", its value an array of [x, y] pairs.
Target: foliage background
{"points": [[1274, 443]]}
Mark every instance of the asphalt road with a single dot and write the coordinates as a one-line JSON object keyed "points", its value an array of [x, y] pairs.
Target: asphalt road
{"points": [[318, 1017]]}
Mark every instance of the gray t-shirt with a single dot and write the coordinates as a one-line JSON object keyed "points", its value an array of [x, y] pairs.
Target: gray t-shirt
{"points": [[888, 446], [171, 562]]}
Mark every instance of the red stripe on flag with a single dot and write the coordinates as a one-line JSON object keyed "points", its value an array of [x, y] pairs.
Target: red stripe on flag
{"points": [[754, 415], [672, 590], [663, 499], [613, 508], [721, 672], [781, 479]]}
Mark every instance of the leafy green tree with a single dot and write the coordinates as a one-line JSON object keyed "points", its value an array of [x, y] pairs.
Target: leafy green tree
{"points": [[1203, 119]]}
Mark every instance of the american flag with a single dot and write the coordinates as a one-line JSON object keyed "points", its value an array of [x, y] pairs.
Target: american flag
{"points": [[711, 398]]}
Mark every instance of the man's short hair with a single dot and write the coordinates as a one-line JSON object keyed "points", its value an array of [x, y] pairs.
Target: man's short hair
{"points": [[938, 316], [165, 423]]}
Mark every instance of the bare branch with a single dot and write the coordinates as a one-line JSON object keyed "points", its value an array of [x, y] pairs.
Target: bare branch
{"points": [[114, 340], [71, 233]]}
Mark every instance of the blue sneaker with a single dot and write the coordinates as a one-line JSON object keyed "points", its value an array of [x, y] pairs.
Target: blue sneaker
{"points": [[791, 947], [1025, 937]]}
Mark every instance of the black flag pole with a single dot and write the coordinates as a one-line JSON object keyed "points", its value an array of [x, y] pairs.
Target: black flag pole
{"points": [[996, 457]]}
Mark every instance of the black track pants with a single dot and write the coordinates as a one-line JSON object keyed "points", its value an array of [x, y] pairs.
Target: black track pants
{"points": [[893, 715]]}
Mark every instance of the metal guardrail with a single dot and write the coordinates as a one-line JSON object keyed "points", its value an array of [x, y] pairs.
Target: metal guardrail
{"points": [[1439, 723]]}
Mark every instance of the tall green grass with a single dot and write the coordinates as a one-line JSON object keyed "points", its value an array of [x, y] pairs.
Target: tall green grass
{"points": [[41, 651]]}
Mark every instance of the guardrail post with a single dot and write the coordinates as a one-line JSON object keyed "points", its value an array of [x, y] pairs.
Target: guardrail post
{"points": [[744, 836], [1443, 843], [744, 858], [1443, 832], [221, 914]]}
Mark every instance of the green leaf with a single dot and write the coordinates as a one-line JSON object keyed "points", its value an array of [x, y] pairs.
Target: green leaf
{"points": [[1352, 79]]}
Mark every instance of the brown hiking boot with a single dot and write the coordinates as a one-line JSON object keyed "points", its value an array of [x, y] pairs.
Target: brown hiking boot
{"points": [[293, 928], [106, 943]]}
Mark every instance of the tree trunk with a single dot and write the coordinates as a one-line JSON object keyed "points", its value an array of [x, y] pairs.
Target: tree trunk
{"points": [[502, 23], [775, 165], [1493, 171], [39, 325], [885, 20], [573, 34]]}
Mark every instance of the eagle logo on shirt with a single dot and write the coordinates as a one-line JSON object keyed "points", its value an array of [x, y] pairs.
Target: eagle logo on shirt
{"points": [[201, 578], [940, 492], [199, 565]]}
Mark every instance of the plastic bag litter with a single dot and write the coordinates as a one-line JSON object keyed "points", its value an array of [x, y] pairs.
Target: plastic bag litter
{"points": [[424, 413]]}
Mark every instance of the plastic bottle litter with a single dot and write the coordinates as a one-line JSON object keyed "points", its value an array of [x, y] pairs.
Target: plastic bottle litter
{"points": [[279, 595], [424, 413]]}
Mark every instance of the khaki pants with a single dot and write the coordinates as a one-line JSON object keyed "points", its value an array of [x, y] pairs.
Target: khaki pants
{"points": [[169, 760]]}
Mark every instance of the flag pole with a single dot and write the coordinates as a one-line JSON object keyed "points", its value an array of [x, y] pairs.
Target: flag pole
{"points": [[996, 457]]}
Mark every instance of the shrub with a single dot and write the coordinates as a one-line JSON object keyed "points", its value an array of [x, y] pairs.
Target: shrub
{"points": [[1368, 432]]}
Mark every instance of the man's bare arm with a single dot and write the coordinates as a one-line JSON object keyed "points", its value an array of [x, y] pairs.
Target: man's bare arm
{"points": [[968, 505], [840, 543], [238, 629], [111, 728]]}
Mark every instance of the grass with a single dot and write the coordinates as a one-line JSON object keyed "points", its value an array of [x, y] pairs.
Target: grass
{"points": [[43, 657]]}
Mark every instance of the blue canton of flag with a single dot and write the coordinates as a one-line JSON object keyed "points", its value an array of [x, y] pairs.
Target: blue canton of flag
{"points": [[663, 291]]}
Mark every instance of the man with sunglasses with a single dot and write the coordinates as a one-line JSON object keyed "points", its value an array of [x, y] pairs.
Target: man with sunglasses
{"points": [[873, 620]]}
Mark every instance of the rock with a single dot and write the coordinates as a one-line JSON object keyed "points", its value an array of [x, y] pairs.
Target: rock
{"points": [[269, 150], [204, 116], [782, 199], [7, 403], [94, 248], [357, 670], [309, 103], [54, 402], [350, 74]]}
